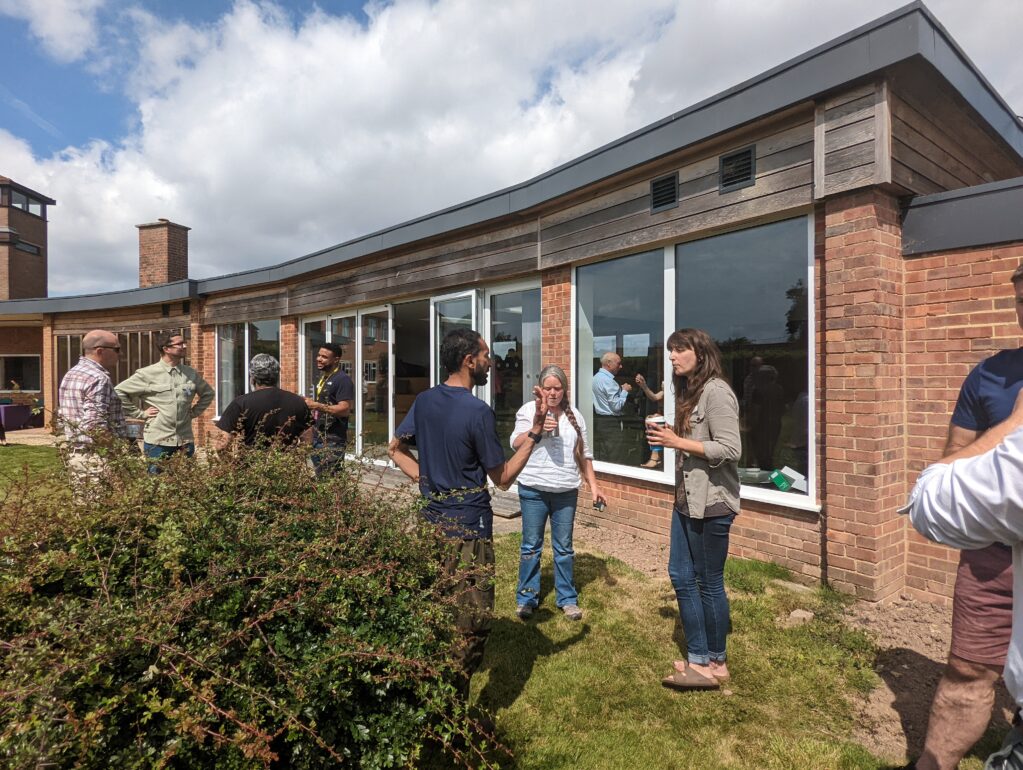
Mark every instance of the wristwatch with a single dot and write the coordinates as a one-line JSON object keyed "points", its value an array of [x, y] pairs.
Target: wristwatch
{"points": [[535, 436]]}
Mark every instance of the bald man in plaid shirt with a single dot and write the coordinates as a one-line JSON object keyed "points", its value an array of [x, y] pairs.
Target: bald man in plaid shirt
{"points": [[90, 411]]}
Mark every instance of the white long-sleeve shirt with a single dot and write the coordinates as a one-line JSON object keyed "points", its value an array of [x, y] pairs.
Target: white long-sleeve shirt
{"points": [[972, 503]]}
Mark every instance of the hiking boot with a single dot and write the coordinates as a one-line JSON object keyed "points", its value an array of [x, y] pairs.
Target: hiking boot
{"points": [[523, 611], [572, 612]]}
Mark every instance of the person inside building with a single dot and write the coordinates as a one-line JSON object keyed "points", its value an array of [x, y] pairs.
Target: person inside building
{"points": [[549, 489], [707, 444]]}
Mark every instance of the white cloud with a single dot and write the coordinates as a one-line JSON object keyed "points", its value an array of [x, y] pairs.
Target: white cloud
{"points": [[272, 137], [67, 29]]}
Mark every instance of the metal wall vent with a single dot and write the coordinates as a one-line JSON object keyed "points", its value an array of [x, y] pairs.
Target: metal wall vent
{"points": [[664, 193], [737, 169]]}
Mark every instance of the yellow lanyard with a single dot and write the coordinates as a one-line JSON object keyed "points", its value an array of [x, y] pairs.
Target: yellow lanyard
{"points": [[323, 381]]}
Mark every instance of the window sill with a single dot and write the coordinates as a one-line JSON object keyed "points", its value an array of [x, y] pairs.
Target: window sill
{"points": [[754, 494]]}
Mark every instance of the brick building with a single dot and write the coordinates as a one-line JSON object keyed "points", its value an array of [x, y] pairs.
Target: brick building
{"points": [[843, 225]]}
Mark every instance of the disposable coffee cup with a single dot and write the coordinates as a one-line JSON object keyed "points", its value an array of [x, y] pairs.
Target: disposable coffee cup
{"points": [[656, 421]]}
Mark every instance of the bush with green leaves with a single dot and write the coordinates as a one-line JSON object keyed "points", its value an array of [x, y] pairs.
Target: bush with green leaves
{"points": [[228, 613]]}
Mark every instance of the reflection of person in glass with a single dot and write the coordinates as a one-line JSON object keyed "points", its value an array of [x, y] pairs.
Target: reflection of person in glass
{"points": [[608, 404], [549, 488], [706, 439], [768, 404], [656, 398]]}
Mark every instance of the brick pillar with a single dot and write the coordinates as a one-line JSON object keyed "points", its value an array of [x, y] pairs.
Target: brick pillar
{"points": [[49, 371], [864, 412], [556, 318], [205, 360], [289, 353], [197, 359]]}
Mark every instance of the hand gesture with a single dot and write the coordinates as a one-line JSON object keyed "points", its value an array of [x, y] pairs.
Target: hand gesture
{"points": [[550, 422], [627, 387], [541, 409], [661, 435], [640, 380], [151, 412]]}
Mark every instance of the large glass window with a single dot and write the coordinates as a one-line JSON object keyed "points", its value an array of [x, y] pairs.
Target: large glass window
{"points": [[515, 351], [620, 334], [451, 314], [314, 334], [236, 345], [20, 373], [748, 290]]}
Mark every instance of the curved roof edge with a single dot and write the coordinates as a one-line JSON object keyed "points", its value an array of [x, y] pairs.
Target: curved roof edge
{"points": [[908, 32], [962, 219], [111, 300]]}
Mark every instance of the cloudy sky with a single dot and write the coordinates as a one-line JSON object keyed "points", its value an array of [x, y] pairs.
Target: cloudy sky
{"points": [[274, 129]]}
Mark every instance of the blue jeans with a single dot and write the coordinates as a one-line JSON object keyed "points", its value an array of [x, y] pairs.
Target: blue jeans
{"points": [[537, 506], [157, 452], [328, 455], [696, 566]]}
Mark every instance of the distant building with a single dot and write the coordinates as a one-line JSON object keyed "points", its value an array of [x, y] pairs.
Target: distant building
{"points": [[849, 219]]}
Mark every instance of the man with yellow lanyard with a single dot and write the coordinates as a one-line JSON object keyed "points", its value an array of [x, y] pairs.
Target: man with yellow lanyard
{"points": [[333, 401]]}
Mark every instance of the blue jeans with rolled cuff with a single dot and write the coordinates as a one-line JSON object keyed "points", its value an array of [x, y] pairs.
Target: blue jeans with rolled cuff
{"points": [[696, 566], [537, 507]]}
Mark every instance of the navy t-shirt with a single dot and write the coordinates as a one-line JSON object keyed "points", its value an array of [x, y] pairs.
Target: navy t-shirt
{"points": [[338, 387], [456, 435], [989, 391]]}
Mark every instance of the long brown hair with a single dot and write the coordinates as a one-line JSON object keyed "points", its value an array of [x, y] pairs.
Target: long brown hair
{"points": [[688, 389], [553, 370]]}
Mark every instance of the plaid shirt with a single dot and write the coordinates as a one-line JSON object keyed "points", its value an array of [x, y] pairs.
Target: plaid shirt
{"points": [[88, 403]]}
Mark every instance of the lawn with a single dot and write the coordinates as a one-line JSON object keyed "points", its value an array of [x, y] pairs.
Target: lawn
{"points": [[588, 694], [15, 458]]}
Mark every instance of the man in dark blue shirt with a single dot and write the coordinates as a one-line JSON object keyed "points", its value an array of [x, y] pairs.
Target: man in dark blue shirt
{"points": [[982, 598], [333, 401], [456, 436]]}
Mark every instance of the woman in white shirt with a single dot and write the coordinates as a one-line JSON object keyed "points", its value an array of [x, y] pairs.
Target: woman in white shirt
{"points": [[549, 488]]}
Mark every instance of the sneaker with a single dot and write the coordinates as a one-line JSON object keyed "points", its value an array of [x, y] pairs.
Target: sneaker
{"points": [[523, 611], [572, 612]]}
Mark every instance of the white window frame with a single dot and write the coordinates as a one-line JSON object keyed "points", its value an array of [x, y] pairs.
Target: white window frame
{"points": [[488, 294], [246, 357], [808, 502], [3, 384], [360, 368], [474, 296]]}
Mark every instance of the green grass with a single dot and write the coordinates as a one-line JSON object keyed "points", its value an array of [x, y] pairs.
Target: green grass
{"points": [[588, 695], [16, 459]]}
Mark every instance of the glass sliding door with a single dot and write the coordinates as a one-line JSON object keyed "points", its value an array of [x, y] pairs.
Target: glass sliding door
{"points": [[449, 313], [411, 355], [374, 405], [514, 337], [230, 364], [314, 334]]}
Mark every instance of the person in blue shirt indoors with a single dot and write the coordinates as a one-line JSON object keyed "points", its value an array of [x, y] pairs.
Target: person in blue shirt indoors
{"points": [[456, 435], [549, 488], [608, 404]]}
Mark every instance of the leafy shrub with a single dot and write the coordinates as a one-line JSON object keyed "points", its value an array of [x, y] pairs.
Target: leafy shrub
{"points": [[228, 613]]}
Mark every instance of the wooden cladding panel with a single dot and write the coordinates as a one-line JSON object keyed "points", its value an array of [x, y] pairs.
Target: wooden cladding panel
{"points": [[493, 255], [938, 142], [621, 220], [249, 307], [117, 322], [851, 140]]}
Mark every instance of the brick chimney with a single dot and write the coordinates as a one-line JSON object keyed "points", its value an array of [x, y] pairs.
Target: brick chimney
{"points": [[163, 253]]}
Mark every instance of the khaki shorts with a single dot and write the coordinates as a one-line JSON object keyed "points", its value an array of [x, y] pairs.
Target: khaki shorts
{"points": [[982, 605]]}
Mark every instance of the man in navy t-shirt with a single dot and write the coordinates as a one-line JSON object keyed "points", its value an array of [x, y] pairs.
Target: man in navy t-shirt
{"points": [[333, 402], [982, 598], [456, 436]]}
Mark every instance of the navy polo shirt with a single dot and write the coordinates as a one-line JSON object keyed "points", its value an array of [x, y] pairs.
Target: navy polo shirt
{"points": [[456, 435], [989, 391], [337, 388]]}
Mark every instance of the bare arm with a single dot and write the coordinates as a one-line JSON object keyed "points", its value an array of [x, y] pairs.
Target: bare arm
{"points": [[221, 439], [340, 409], [958, 438], [985, 441], [400, 455], [591, 480]]}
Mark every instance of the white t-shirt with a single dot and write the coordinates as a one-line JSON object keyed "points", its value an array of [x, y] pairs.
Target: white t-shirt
{"points": [[552, 466]]}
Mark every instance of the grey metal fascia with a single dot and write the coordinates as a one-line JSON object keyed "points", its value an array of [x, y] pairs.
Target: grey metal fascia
{"points": [[975, 216], [151, 295]]}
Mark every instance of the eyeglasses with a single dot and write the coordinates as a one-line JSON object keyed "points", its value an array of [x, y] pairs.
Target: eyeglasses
{"points": [[176, 344], [115, 348]]}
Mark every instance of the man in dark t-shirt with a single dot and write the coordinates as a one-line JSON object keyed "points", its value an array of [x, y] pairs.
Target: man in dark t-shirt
{"points": [[333, 401], [456, 436], [266, 413], [982, 597]]}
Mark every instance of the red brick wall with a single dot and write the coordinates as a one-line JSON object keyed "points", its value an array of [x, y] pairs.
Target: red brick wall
{"points": [[959, 310], [289, 353]]}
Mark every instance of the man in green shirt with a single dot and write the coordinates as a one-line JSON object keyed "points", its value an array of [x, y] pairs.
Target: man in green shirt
{"points": [[168, 395]]}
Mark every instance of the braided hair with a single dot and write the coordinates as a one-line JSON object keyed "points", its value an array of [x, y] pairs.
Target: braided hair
{"points": [[553, 370]]}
